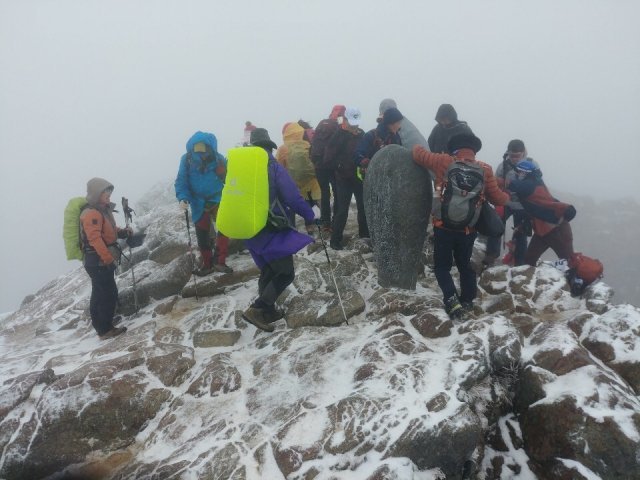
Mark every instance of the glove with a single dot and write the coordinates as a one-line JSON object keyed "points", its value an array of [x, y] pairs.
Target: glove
{"points": [[184, 205], [569, 213], [221, 170], [125, 233]]}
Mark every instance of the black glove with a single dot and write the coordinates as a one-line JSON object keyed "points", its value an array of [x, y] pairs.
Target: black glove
{"points": [[570, 213]]}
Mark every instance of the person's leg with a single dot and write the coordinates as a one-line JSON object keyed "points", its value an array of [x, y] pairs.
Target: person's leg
{"points": [[521, 225], [102, 304], [363, 228], [492, 251], [343, 199], [537, 246], [462, 251], [561, 241], [282, 275], [323, 176], [222, 245], [333, 181], [203, 236], [443, 261]]}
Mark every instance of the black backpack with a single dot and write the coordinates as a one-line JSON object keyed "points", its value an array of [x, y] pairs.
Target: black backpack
{"points": [[323, 133]]}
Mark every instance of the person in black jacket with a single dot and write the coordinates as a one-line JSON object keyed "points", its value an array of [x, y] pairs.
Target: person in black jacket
{"points": [[340, 153], [448, 126], [386, 133]]}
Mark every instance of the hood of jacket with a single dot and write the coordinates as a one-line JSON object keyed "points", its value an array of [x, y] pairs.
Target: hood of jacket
{"points": [[337, 111], [292, 133], [447, 111], [386, 104], [95, 187], [202, 137]]}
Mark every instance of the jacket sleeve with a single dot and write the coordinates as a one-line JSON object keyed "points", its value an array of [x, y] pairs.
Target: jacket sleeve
{"points": [[364, 148], [523, 188], [491, 190], [289, 194], [436, 162], [183, 192], [92, 225]]}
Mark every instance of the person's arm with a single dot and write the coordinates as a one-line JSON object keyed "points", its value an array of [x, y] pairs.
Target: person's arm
{"points": [[183, 192], [491, 190], [281, 155], [435, 162], [364, 149]]}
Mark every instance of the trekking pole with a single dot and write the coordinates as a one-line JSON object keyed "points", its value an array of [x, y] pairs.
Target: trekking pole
{"points": [[127, 211], [193, 260], [333, 277]]}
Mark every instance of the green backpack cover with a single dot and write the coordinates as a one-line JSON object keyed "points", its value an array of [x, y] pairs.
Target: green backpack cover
{"points": [[71, 228]]}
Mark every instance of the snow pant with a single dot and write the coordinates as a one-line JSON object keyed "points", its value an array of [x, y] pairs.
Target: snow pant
{"points": [[275, 277], [448, 246], [203, 234], [327, 179], [346, 188], [104, 297], [560, 240], [522, 226]]}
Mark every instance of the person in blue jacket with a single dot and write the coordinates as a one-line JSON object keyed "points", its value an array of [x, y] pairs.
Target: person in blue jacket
{"points": [[273, 247], [386, 133], [199, 183]]}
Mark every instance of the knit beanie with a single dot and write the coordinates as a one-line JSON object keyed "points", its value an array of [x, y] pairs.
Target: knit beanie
{"points": [[464, 140], [391, 115]]}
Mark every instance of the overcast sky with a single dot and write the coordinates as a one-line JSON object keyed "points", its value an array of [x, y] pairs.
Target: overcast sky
{"points": [[115, 88]]}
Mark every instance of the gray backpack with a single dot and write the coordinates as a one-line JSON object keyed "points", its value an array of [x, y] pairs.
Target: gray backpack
{"points": [[462, 195]]}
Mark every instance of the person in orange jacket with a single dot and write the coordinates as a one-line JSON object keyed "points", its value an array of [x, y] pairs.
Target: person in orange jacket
{"points": [[457, 244], [99, 235]]}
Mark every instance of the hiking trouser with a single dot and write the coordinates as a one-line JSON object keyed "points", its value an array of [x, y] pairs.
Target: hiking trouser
{"points": [[275, 277], [447, 247], [327, 179], [520, 221], [560, 240], [104, 297], [203, 234], [346, 188]]}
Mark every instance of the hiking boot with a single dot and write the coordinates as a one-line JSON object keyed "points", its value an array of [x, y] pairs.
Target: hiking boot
{"points": [[336, 246], [203, 271], [272, 315], [116, 320], [223, 267], [453, 308], [114, 332], [255, 316]]}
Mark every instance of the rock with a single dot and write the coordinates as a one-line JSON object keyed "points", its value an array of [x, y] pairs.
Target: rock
{"points": [[168, 251], [438, 402], [397, 197], [494, 280], [16, 390], [386, 302], [522, 281], [598, 297], [505, 347], [166, 307], [216, 283], [319, 309], [434, 447], [554, 353], [216, 338], [524, 323], [169, 362], [169, 335], [431, 325], [469, 349], [502, 302], [220, 376]]}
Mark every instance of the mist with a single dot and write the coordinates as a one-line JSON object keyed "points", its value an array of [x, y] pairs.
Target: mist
{"points": [[115, 89]]}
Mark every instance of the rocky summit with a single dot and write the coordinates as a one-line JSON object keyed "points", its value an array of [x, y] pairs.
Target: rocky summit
{"points": [[535, 384]]}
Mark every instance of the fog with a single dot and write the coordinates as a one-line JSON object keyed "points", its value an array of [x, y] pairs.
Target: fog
{"points": [[114, 89]]}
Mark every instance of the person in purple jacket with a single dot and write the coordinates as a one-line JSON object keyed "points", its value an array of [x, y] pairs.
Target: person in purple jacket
{"points": [[273, 247]]}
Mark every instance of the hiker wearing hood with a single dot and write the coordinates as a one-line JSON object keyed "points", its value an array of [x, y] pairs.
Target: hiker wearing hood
{"points": [[99, 235], [550, 217], [386, 133], [199, 183], [456, 244], [325, 173], [294, 156], [272, 249], [448, 126], [409, 133]]}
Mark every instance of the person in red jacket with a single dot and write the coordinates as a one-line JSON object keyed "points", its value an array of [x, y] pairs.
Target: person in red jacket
{"points": [[550, 217], [99, 235], [451, 244]]}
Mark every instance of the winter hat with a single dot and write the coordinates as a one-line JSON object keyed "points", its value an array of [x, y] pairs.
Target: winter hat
{"points": [[526, 166], [516, 146], [337, 111], [464, 140], [260, 138], [446, 111], [353, 116], [386, 104], [392, 115]]}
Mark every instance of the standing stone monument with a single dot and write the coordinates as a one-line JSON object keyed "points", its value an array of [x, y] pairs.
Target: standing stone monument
{"points": [[397, 200]]}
